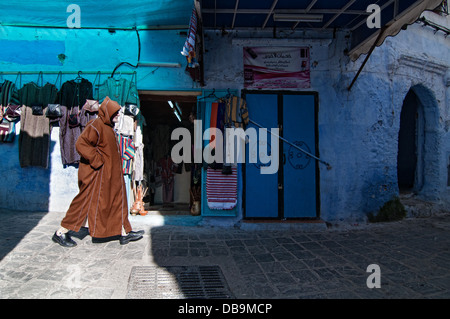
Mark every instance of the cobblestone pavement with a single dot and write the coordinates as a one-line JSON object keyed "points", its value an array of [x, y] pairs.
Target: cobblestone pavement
{"points": [[413, 256]]}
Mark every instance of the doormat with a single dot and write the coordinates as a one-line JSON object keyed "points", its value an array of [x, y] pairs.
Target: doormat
{"points": [[177, 282]]}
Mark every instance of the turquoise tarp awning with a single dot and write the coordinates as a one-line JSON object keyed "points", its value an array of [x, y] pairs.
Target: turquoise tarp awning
{"points": [[98, 13]]}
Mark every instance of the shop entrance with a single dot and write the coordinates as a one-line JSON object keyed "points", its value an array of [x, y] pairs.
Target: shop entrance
{"points": [[171, 188]]}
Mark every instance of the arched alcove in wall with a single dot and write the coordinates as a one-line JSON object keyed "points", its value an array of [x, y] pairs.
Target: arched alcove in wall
{"points": [[418, 143]]}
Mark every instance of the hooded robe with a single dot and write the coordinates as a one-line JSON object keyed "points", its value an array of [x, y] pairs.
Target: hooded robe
{"points": [[102, 194]]}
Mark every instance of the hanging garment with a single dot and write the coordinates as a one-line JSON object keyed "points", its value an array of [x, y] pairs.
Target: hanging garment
{"points": [[86, 116], [236, 112], [168, 168], [127, 151], [220, 123], [74, 93], [102, 197], [189, 45], [167, 192], [125, 125], [7, 131], [68, 136], [119, 90], [129, 191], [8, 96], [221, 190], [213, 125], [34, 137], [139, 157]]}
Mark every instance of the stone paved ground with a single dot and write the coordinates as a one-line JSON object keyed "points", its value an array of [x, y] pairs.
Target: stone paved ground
{"points": [[413, 256]]}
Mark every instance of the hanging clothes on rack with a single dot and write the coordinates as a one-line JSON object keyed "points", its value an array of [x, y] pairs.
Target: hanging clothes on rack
{"points": [[221, 180], [34, 138]]}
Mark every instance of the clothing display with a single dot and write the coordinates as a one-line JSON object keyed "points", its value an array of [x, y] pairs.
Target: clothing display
{"points": [[77, 110], [221, 178], [143, 153]]}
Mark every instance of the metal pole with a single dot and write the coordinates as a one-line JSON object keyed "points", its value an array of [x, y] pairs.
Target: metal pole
{"points": [[367, 57], [293, 145]]}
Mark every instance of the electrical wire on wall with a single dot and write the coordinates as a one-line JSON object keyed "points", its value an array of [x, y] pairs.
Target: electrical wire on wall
{"points": [[129, 64]]}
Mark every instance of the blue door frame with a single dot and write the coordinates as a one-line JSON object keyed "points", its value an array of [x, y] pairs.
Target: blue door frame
{"points": [[293, 192]]}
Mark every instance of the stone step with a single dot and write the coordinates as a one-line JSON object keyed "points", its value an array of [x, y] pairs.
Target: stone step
{"points": [[420, 208]]}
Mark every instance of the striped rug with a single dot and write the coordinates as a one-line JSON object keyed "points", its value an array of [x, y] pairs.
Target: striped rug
{"points": [[221, 190]]}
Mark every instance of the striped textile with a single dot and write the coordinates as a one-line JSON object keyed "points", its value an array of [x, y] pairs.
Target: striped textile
{"points": [[127, 149], [189, 45], [221, 190]]}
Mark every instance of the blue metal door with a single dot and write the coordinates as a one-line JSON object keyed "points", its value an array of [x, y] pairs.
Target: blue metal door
{"points": [[299, 169], [261, 190], [292, 192]]}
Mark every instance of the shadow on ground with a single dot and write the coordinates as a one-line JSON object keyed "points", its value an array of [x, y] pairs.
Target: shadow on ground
{"points": [[12, 231]]}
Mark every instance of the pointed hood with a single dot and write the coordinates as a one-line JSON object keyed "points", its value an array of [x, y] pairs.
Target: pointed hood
{"points": [[107, 109]]}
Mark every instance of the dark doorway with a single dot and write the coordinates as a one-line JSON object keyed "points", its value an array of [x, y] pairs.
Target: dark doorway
{"points": [[168, 184], [407, 143]]}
